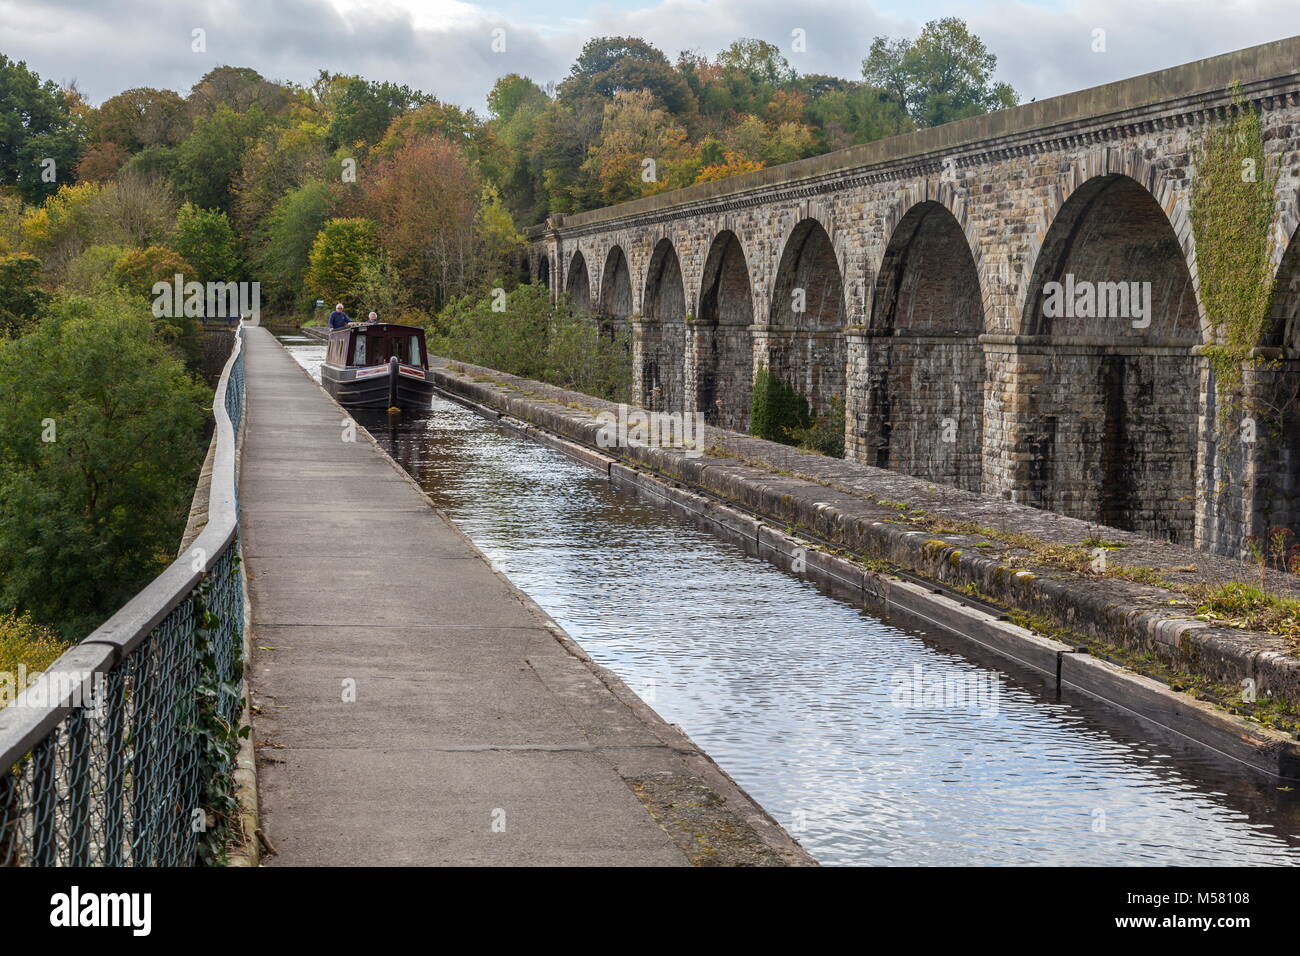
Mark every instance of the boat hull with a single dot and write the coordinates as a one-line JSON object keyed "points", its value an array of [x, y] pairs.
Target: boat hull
{"points": [[369, 387]]}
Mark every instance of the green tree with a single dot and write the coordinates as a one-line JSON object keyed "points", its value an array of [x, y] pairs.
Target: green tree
{"points": [[609, 65], [363, 110], [340, 257], [22, 300], [89, 517], [288, 232], [515, 103], [36, 124], [209, 159], [95, 271], [944, 75], [205, 240]]}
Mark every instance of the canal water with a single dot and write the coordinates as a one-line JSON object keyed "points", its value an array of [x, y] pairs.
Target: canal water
{"points": [[872, 744]]}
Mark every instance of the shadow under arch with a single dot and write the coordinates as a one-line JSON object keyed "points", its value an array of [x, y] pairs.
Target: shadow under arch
{"points": [[663, 332], [578, 284], [615, 291], [724, 344], [1272, 405], [924, 394], [806, 337], [1111, 319]]}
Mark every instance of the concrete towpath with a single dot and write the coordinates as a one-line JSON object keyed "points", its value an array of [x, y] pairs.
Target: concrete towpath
{"points": [[412, 706]]}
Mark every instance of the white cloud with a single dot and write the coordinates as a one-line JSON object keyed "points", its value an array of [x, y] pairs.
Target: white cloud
{"points": [[444, 46]]}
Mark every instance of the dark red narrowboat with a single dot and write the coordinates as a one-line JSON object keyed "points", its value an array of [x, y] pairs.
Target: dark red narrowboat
{"points": [[378, 366]]}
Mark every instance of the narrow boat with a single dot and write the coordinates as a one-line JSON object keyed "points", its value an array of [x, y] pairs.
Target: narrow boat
{"points": [[378, 366]]}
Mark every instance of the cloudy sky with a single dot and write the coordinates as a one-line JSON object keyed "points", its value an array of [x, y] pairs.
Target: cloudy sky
{"points": [[445, 47]]}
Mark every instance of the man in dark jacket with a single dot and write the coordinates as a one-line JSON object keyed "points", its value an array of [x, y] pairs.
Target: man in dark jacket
{"points": [[338, 318]]}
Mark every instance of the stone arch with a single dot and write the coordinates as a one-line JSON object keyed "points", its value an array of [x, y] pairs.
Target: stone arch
{"points": [[578, 284], [1110, 320], [924, 365], [953, 200], [544, 271], [806, 329], [724, 343], [616, 289], [662, 336], [1084, 173]]}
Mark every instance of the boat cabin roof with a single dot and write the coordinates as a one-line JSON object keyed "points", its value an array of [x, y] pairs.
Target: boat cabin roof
{"points": [[363, 345]]}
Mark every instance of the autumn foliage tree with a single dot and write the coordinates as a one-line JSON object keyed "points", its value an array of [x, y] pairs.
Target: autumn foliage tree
{"points": [[425, 196]]}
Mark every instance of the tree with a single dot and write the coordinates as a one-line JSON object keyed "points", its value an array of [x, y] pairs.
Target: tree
{"points": [[66, 223], [425, 196], [131, 211], [207, 162], [556, 154], [362, 110], [943, 76], [730, 164], [95, 271], [140, 119], [100, 162], [238, 89], [139, 269], [340, 257], [610, 65], [22, 300], [516, 103], [289, 231], [282, 159], [636, 130], [759, 60], [434, 118], [205, 240], [36, 125], [89, 517]]}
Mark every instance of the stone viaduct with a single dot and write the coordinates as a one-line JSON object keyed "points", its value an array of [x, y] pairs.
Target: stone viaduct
{"points": [[908, 278]]}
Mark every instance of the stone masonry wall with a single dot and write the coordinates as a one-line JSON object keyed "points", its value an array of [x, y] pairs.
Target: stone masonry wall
{"points": [[1090, 416]]}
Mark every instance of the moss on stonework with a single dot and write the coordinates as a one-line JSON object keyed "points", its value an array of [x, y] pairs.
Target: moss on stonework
{"points": [[1231, 214]]}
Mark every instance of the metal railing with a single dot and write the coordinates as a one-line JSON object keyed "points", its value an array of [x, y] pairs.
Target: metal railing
{"points": [[102, 759]]}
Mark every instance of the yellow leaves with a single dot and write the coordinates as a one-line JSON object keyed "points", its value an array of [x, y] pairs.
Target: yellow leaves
{"points": [[734, 164]]}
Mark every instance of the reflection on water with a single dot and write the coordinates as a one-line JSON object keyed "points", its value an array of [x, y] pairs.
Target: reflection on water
{"points": [[827, 715]]}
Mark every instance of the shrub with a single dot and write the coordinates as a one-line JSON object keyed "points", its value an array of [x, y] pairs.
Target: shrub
{"points": [[24, 646]]}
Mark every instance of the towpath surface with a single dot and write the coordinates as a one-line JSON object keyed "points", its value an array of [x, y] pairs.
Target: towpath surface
{"points": [[412, 706]]}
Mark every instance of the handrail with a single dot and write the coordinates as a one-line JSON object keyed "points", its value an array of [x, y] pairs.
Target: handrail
{"points": [[45, 709]]}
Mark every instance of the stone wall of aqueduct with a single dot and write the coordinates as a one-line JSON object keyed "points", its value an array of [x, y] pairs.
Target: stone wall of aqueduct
{"points": [[907, 278]]}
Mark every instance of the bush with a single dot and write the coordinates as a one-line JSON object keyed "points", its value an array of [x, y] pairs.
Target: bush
{"points": [[779, 413], [527, 335], [826, 433], [24, 646], [777, 410]]}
